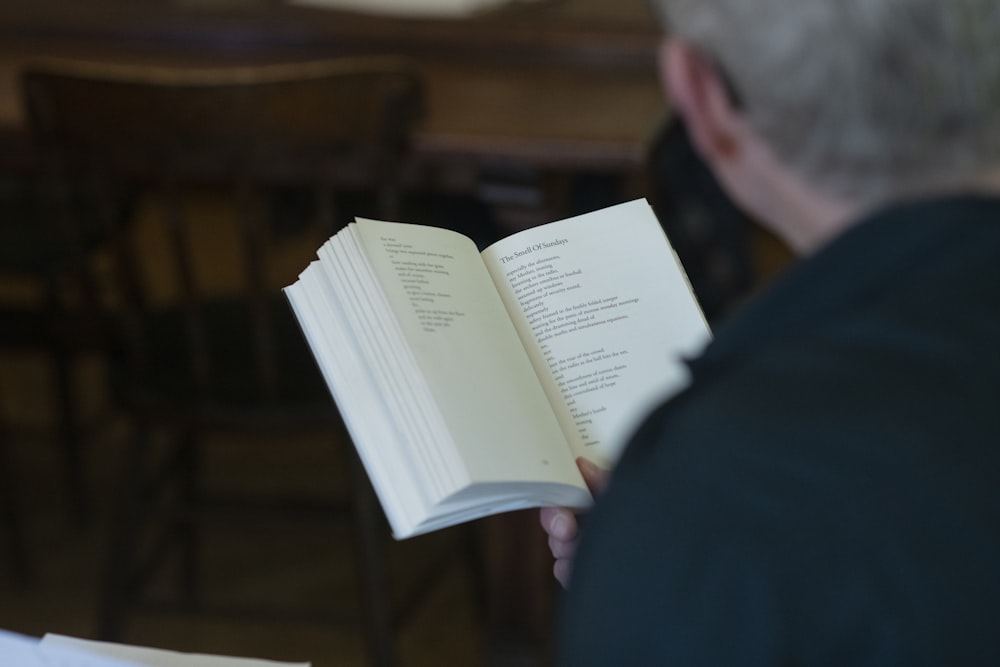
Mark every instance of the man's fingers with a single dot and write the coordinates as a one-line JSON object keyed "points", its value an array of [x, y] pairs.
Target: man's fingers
{"points": [[558, 522], [562, 548], [595, 476], [561, 525], [561, 570]]}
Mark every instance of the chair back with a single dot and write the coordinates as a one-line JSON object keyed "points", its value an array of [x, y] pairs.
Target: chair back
{"points": [[281, 145]]}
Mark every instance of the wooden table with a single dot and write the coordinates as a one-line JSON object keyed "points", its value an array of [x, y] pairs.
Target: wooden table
{"points": [[552, 83]]}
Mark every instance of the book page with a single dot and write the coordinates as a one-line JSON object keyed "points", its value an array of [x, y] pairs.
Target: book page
{"points": [[607, 315], [24, 651], [469, 354]]}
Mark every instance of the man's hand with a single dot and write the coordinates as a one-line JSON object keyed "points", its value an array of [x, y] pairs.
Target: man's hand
{"points": [[561, 525]]}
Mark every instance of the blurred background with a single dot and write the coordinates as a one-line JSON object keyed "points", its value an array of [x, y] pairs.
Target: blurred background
{"points": [[115, 446]]}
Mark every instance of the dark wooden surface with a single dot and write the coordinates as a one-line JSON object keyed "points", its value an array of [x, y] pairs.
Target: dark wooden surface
{"points": [[552, 83], [603, 33]]}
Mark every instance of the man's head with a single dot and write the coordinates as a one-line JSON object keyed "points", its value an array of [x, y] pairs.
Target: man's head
{"points": [[865, 100]]}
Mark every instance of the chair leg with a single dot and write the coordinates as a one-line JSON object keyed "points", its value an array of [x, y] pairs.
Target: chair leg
{"points": [[373, 566], [188, 531], [120, 559], [471, 547], [12, 523], [70, 437], [66, 397]]}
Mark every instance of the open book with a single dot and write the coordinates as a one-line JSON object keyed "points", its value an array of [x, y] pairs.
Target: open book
{"points": [[470, 382]]}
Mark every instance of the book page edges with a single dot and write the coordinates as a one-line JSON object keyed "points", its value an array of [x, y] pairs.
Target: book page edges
{"points": [[490, 498]]}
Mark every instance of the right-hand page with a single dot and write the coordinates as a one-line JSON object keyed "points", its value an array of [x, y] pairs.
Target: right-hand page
{"points": [[607, 316]]}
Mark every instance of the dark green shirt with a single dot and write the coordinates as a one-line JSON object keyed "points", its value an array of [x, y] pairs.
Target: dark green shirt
{"points": [[827, 491]]}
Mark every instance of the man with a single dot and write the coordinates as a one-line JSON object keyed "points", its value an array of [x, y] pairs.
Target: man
{"points": [[827, 490]]}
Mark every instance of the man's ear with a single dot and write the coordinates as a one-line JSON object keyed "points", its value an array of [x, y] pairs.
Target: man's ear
{"points": [[697, 91]]}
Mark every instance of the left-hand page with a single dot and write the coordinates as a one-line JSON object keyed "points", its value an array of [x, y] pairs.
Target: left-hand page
{"points": [[469, 353]]}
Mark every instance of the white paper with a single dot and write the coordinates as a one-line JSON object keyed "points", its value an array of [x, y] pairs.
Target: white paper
{"points": [[62, 651], [21, 651]]}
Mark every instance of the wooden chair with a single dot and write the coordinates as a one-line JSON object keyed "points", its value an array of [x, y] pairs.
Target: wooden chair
{"points": [[49, 306], [196, 358]]}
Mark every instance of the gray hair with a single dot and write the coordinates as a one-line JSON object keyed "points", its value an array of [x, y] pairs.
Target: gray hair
{"points": [[868, 99]]}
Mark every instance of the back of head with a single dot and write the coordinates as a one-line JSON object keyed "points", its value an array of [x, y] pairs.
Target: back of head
{"points": [[868, 99]]}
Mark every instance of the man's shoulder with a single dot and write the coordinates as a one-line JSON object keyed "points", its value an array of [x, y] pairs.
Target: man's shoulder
{"points": [[831, 490]]}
